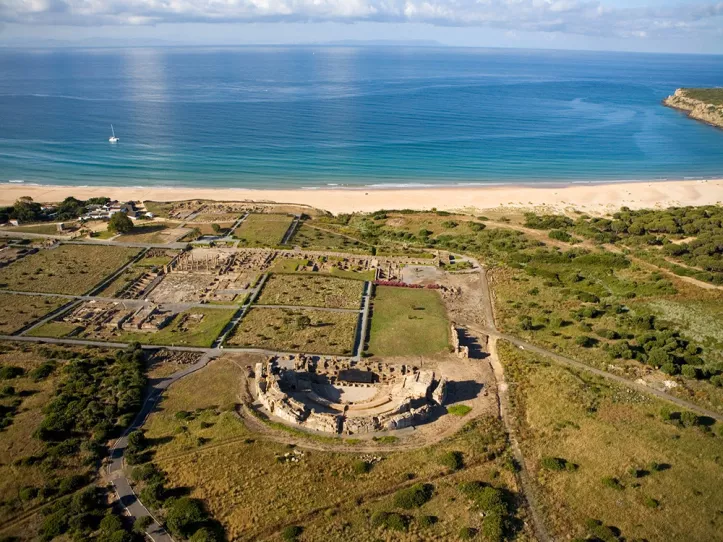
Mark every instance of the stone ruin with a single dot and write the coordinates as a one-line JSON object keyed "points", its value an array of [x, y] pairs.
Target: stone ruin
{"points": [[345, 396], [460, 351]]}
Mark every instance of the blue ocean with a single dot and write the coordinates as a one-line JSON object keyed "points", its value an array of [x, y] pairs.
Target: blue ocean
{"points": [[275, 117]]}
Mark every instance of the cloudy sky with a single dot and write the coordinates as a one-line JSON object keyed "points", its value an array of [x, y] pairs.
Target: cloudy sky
{"points": [[636, 25]]}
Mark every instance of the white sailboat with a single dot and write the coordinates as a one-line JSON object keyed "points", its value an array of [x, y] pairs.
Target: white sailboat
{"points": [[113, 138]]}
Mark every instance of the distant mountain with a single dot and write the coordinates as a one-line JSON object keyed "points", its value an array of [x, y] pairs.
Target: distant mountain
{"points": [[30, 43]]}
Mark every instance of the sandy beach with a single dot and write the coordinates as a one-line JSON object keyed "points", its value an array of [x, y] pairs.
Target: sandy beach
{"points": [[591, 198]]}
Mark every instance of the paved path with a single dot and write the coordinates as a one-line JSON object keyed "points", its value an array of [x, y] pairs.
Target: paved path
{"points": [[121, 485]]}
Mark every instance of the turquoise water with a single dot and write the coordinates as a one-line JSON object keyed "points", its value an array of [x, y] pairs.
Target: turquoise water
{"points": [[319, 116]]}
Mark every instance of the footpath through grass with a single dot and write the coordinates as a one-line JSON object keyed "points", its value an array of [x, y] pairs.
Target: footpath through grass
{"points": [[408, 321], [607, 453]]}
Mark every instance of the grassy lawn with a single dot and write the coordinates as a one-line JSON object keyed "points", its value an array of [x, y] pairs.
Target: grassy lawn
{"points": [[312, 291], [67, 269], [407, 321], [613, 433], [253, 493], [313, 238], [20, 310], [185, 329], [263, 230], [53, 329], [280, 329]]}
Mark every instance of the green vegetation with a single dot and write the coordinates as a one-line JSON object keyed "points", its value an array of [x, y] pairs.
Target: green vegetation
{"points": [[629, 451], [311, 291], [263, 230], [314, 238], [20, 310], [400, 316], [712, 96], [67, 269], [120, 223], [26, 210], [459, 410], [192, 327], [310, 331]]}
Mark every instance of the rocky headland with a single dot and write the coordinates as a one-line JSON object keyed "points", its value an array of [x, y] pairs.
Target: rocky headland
{"points": [[705, 105]]}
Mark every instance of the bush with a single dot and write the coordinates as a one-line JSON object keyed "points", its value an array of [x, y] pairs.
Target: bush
{"points": [[688, 371], [585, 341], [110, 523], [467, 533], [553, 463], [413, 497], [493, 527], [425, 522], [43, 371], [452, 460], [459, 410], [688, 419], [613, 483], [8, 372], [652, 503], [291, 533], [390, 520], [28, 493], [184, 515], [361, 467], [560, 235]]}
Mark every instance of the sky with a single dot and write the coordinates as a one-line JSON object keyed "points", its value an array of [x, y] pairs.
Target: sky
{"points": [[689, 26]]}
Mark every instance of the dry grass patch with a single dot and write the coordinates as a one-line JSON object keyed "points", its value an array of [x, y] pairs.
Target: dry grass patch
{"points": [[613, 433], [67, 269], [192, 327], [312, 291], [310, 331], [312, 238], [20, 310]]}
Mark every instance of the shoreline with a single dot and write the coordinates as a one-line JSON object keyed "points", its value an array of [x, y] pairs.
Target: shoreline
{"points": [[588, 196]]}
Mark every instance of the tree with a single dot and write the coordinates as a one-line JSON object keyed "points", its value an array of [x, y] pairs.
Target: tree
{"points": [[183, 515], [216, 228], [120, 223], [302, 321], [26, 210]]}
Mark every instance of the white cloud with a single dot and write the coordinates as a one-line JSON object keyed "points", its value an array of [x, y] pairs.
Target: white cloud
{"points": [[586, 17]]}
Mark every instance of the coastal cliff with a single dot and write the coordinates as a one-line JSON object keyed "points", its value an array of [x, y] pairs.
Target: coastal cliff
{"points": [[701, 104]]}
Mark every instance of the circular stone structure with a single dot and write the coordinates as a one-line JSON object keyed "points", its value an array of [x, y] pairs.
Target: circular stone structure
{"points": [[346, 396]]}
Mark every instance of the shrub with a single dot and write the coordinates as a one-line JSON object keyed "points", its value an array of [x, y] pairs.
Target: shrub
{"points": [[361, 467], [688, 371], [110, 523], [467, 533], [204, 535], [493, 527], [560, 235], [413, 497], [291, 533], [183, 515], [28, 493], [651, 503], [452, 460], [43, 371], [390, 520], [553, 463], [425, 522], [585, 341], [689, 419], [8, 372], [7, 391], [613, 483]]}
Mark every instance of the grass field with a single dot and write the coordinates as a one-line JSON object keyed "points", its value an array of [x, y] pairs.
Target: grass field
{"points": [[407, 321], [312, 291], [185, 330], [247, 486], [708, 95], [19, 310], [206, 227], [146, 233], [614, 436], [67, 269], [263, 230], [281, 329], [45, 229], [313, 238], [17, 440]]}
